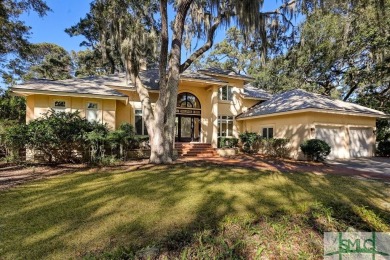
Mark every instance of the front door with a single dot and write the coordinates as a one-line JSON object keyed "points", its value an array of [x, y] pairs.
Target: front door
{"points": [[187, 128]]}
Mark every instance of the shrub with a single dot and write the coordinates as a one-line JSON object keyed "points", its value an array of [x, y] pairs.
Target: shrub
{"points": [[315, 149], [58, 135], [66, 137], [249, 141], [14, 140], [384, 148], [276, 147], [227, 142]]}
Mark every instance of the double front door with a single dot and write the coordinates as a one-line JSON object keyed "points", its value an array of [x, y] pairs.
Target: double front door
{"points": [[187, 128]]}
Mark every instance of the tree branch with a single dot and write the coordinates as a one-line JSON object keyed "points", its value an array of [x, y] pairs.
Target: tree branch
{"points": [[278, 11], [204, 48]]}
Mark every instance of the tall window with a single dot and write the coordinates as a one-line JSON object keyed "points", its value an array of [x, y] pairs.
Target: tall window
{"points": [[225, 93], [92, 113], [225, 126], [268, 132], [140, 127], [59, 106]]}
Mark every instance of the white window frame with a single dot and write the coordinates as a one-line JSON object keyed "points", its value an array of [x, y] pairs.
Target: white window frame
{"points": [[143, 128], [96, 110], [268, 132], [226, 120], [229, 93]]}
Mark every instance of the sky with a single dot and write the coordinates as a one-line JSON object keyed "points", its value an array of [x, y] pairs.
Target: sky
{"points": [[66, 13]]}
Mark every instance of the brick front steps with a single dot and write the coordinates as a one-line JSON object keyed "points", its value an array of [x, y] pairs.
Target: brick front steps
{"points": [[195, 150]]}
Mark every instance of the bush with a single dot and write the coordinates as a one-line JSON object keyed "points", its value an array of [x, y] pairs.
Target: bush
{"points": [[276, 147], [14, 140], [66, 137], [384, 148], [315, 149], [227, 142], [249, 141]]}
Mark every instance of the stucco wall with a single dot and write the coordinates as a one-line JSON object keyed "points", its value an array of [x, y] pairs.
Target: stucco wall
{"points": [[40, 104], [293, 127], [212, 107], [114, 112], [299, 127]]}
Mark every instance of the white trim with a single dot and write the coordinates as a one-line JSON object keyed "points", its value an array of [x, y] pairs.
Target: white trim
{"points": [[253, 98], [314, 110], [204, 81], [243, 78]]}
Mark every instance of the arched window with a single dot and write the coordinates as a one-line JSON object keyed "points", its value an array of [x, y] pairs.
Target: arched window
{"points": [[187, 103]]}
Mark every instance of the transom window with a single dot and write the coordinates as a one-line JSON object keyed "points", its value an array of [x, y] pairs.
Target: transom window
{"points": [[268, 132], [59, 106], [225, 126], [225, 93], [92, 113], [188, 104]]}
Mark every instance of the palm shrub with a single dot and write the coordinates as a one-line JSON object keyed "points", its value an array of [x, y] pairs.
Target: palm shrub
{"points": [[315, 149], [123, 139]]}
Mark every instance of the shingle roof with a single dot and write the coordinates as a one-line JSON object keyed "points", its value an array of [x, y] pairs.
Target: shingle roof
{"points": [[298, 99], [101, 85], [229, 73], [90, 86], [252, 92]]}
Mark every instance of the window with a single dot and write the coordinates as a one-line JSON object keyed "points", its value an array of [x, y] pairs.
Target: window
{"points": [[140, 127], [225, 126], [59, 106], [225, 93], [92, 113], [268, 132]]}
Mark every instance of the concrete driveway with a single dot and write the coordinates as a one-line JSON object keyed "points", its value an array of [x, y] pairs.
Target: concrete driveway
{"points": [[374, 165]]}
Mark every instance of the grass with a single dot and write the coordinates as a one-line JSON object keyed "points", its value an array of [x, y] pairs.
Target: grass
{"points": [[185, 211]]}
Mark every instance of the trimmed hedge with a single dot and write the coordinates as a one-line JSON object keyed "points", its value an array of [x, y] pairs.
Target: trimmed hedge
{"points": [[227, 142], [315, 149]]}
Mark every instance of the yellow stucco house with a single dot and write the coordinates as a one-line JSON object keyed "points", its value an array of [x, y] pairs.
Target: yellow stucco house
{"points": [[214, 103]]}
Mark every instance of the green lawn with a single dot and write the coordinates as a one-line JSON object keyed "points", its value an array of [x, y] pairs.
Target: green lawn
{"points": [[196, 210]]}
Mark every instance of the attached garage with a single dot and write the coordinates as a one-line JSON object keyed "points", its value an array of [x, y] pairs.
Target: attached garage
{"points": [[299, 115]]}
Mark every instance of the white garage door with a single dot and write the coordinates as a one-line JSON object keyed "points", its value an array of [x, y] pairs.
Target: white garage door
{"points": [[360, 140], [334, 136]]}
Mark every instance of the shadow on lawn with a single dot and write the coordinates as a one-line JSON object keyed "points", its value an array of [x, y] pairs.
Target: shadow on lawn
{"points": [[94, 212]]}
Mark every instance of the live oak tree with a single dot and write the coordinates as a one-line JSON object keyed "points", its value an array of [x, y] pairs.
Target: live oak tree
{"points": [[235, 53], [39, 61], [13, 36], [343, 50]]}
